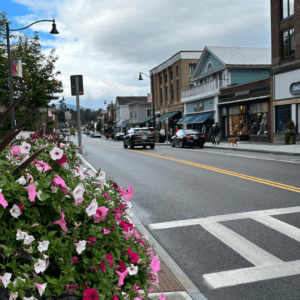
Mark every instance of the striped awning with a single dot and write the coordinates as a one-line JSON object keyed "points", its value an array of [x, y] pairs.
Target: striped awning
{"points": [[202, 118], [168, 115]]}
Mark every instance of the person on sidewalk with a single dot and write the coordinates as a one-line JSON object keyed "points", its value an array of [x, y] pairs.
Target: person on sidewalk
{"points": [[216, 133]]}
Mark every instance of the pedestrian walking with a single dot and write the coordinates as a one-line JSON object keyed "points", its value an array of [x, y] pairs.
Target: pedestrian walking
{"points": [[216, 132]]}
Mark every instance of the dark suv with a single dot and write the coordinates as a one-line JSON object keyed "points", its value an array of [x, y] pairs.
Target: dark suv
{"points": [[139, 137]]}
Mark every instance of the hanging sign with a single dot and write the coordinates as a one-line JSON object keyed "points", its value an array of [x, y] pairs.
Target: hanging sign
{"points": [[17, 68], [295, 88]]}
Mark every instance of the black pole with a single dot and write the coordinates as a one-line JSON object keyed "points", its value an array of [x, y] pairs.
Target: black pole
{"points": [[153, 105]]}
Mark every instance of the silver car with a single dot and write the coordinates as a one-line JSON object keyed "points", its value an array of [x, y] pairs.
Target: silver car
{"points": [[96, 134]]}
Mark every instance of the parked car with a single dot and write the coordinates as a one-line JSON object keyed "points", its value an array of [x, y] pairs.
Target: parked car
{"points": [[188, 137], [96, 134], [139, 137], [119, 136]]}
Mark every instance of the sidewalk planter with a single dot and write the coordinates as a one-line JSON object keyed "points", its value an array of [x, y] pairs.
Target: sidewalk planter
{"points": [[74, 238]]}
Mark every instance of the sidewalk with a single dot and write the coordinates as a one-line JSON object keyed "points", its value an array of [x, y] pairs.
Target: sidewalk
{"points": [[255, 147]]}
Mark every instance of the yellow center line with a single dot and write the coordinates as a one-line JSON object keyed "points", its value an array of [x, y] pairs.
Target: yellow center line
{"points": [[239, 175]]}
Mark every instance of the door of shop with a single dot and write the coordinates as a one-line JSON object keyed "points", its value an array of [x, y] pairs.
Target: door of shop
{"points": [[224, 127]]}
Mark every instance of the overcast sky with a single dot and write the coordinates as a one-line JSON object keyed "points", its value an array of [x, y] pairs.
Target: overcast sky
{"points": [[110, 41]]}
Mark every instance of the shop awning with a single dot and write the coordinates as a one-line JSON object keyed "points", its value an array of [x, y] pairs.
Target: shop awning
{"points": [[123, 123], [188, 119], [168, 115], [143, 120], [202, 118]]}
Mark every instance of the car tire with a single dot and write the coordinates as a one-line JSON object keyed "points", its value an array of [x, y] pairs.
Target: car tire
{"points": [[201, 145], [125, 146], [144, 146], [181, 144], [131, 145], [152, 146], [172, 144]]}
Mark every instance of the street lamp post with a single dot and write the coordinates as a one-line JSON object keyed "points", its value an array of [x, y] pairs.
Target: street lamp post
{"points": [[152, 92], [10, 80]]}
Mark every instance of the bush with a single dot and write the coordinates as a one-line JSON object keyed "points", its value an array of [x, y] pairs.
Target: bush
{"points": [[61, 234]]}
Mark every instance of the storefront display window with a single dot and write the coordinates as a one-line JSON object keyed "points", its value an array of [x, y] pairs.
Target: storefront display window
{"points": [[238, 120], [258, 121], [282, 116]]}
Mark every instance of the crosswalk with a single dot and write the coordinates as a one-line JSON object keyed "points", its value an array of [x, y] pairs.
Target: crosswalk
{"points": [[265, 265]]}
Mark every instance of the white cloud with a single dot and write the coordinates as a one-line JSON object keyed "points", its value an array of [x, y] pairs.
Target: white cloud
{"points": [[110, 42]]}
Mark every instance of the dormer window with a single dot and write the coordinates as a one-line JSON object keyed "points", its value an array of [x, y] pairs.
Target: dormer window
{"points": [[210, 66]]}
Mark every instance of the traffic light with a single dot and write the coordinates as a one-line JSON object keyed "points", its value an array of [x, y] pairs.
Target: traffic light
{"points": [[80, 83]]}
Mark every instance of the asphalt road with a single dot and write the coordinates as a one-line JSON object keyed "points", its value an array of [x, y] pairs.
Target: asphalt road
{"points": [[229, 219]]}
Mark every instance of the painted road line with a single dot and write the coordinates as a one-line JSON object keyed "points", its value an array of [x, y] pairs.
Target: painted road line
{"points": [[238, 175], [248, 275], [282, 227], [228, 217], [242, 246]]}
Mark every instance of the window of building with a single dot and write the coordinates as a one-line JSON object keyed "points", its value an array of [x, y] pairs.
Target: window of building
{"points": [[148, 113], [192, 68], [166, 77], [210, 66], [282, 116], [238, 120], [171, 75], [161, 96], [287, 43], [177, 71], [166, 94], [131, 115], [135, 113], [287, 8], [172, 93], [160, 79], [177, 90], [258, 119]]}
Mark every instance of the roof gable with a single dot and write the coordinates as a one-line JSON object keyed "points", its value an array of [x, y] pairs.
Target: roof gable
{"points": [[211, 63]]}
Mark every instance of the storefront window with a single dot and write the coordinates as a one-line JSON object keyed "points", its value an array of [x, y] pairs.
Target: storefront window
{"points": [[282, 115], [238, 120], [258, 121]]}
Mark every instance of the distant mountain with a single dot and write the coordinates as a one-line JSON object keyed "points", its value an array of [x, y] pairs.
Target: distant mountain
{"points": [[72, 106]]}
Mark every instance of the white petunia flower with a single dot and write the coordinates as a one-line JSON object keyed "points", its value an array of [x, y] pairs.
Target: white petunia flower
{"points": [[40, 266], [15, 211], [28, 239], [25, 148], [13, 296], [39, 193], [90, 173], [56, 153], [6, 279], [80, 246], [92, 208], [78, 191], [45, 256], [20, 234], [43, 246], [132, 270], [30, 298], [21, 180]]}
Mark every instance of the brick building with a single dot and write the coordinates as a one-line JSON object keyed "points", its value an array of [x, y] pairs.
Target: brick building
{"points": [[244, 111], [285, 71], [169, 78]]}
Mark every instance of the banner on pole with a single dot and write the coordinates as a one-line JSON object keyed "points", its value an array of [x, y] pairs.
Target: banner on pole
{"points": [[149, 99], [17, 68]]}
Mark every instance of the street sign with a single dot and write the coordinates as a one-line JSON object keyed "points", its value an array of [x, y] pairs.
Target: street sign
{"points": [[73, 84]]}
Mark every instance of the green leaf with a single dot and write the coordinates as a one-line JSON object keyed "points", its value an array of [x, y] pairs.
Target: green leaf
{"points": [[45, 195], [1, 211], [35, 211], [87, 261], [4, 247], [52, 233], [3, 180], [21, 293]]}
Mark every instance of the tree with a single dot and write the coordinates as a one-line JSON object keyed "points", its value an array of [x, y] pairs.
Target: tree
{"points": [[39, 83], [99, 125]]}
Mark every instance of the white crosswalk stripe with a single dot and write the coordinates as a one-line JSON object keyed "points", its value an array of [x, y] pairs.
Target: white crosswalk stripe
{"points": [[266, 265]]}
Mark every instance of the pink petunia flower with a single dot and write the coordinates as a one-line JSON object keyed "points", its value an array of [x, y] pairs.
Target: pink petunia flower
{"points": [[3, 202], [110, 258], [122, 276], [115, 297], [62, 223], [102, 212], [135, 287], [91, 241], [74, 260], [105, 231], [85, 285], [162, 297], [106, 196], [90, 294], [31, 192], [117, 214], [56, 153], [41, 287], [134, 257], [60, 182], [62, 160], [102, 266], [155, 265], [126, 194], [14, 150], [72, 287]]}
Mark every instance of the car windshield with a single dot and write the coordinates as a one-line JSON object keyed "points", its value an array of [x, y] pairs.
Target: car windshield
{"points": [[142, 131]]}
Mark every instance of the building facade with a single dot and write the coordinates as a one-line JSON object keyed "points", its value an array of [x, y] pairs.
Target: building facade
{"points": [[169, 78], [244, 111], [285, 71], [217, 68]]}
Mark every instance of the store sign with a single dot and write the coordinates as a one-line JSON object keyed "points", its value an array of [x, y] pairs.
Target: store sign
{"points": [[198, 106], [295, 88], [242, 93]]}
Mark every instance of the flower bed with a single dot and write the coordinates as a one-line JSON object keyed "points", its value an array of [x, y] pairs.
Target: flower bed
{"points": [[63, 235]]}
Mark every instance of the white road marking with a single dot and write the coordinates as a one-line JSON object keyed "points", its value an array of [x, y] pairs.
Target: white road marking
{"points": [[282, 227], [220, 218], [242, 246], [247, 275]]}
